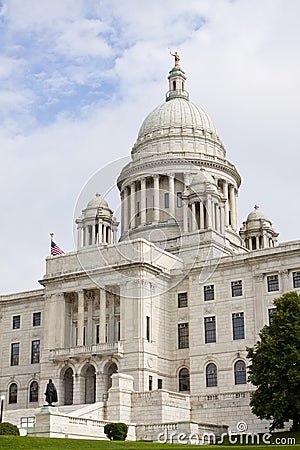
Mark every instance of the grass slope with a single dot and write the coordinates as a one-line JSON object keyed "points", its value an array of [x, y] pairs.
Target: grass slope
{"points": [[35, 443]]}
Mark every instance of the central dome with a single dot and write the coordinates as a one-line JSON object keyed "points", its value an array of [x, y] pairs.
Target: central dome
{"points": [[178, 127], [177, 112]]}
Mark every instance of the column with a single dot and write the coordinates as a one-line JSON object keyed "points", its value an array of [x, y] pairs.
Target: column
{"points": [[209, 213], [171, 197], [260, 310], [79, 236], [217, 217], [100, 231], [250, 243], [93, 234], [265, 241], [285, 286], [125, 210], [132, 206], [80, 317], [156, 198], [122, 211], [185, 215], [201, 211], [222, 219], [104, 233], [89, 331], [102, 315], [226, 209], [232, 207], [143, 201], [86, 235], [236, 211], [194, 221], [257, 242]]}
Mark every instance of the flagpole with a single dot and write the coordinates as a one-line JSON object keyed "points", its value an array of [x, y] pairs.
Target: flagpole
{"points": [[52, 236]]}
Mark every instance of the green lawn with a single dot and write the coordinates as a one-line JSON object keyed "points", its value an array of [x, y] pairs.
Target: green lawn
{"points": [[35, 443]]}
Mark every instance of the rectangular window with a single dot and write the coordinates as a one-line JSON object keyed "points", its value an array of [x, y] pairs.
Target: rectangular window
{"points": [[84, 336], [183, 335], [35, 352], [179, 199], [182, 300], [14, 354], [210, 329], [271, 312], [296, 279], [236, 288], [159, 383], [138, 209], [16, 322], [119, 330], [148, 328], [238, 327], [209, 292], [166, 200], [150, 382], [273, 283], [36, 319], [97, 334]]}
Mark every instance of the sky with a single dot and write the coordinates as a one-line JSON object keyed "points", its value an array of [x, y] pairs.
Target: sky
{"points": [[78, 77]]}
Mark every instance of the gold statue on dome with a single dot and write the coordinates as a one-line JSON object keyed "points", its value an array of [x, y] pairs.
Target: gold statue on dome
{"points": [[177, 58]]}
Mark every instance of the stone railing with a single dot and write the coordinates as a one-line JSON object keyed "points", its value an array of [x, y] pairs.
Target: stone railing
{"points": [[220, 397], [105, 348]]}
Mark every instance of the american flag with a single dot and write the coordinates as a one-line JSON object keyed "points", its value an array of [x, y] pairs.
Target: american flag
{"points": [[55, 250]]}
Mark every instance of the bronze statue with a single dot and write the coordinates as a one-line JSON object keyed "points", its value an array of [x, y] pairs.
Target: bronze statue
{"points": [[51, 393], [177, 58]]}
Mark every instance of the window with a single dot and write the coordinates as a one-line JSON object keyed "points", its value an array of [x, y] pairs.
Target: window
{"points": [[13, 393], [148, 328], [36, 319], [236, 288], [150, 382], [238, 326], [183, 335], [14, 354], [16, 322], [184, 380], [211, 375], [97, 334], [210, 329], [271, 312], [209, 292], [296, 279], [240, 372], [159, 383], [273, 283], [35, 352], [182, 300], [119, 330], [84, 335], [166, 199], [34, 392], [138, 209], [179, 199]]}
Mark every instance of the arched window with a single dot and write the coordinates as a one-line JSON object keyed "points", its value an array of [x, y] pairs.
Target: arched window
{"points": [[34, 392], [240, 372], [184, 380], [211, 375], [13, 393]]}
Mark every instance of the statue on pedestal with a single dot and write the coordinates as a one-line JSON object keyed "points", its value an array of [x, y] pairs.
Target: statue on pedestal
{"points": [[51, 393], [177, 58]]}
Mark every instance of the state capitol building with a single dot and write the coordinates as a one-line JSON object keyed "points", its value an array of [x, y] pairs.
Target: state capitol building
{"points": [[151, 328]]}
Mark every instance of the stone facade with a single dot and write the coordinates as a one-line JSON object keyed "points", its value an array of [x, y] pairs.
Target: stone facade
{"points": [[151, 330]]}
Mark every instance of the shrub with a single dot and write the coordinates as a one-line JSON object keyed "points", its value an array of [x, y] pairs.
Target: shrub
{"points": [[9, 428], [116, 431]]}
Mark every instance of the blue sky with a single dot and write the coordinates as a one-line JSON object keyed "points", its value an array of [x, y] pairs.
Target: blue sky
{"points": [[78, 77]]}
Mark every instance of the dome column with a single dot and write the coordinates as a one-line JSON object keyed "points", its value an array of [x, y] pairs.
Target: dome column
{"points": [[217, 218], [122, 211], [232, 207], [143, 201], [225, 194], [79, 236], [100, 231], [132, 205], [156, 198], [201, 210], [222, 218], [194, 221], [171, 196], [125, 209], [209, 213]]}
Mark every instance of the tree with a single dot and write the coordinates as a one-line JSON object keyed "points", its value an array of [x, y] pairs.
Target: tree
{"points": [[275, 365], [116, 431]]}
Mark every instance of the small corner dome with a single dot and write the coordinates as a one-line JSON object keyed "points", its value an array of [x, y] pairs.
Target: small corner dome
{"points": [[97, 202], [200, 179], [257, 214]]}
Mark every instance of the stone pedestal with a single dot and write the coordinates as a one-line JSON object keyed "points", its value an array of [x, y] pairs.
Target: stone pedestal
{"points": [[119, 398]]}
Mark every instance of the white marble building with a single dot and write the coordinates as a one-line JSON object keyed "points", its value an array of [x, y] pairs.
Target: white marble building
{"points": [[152, 329]]}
